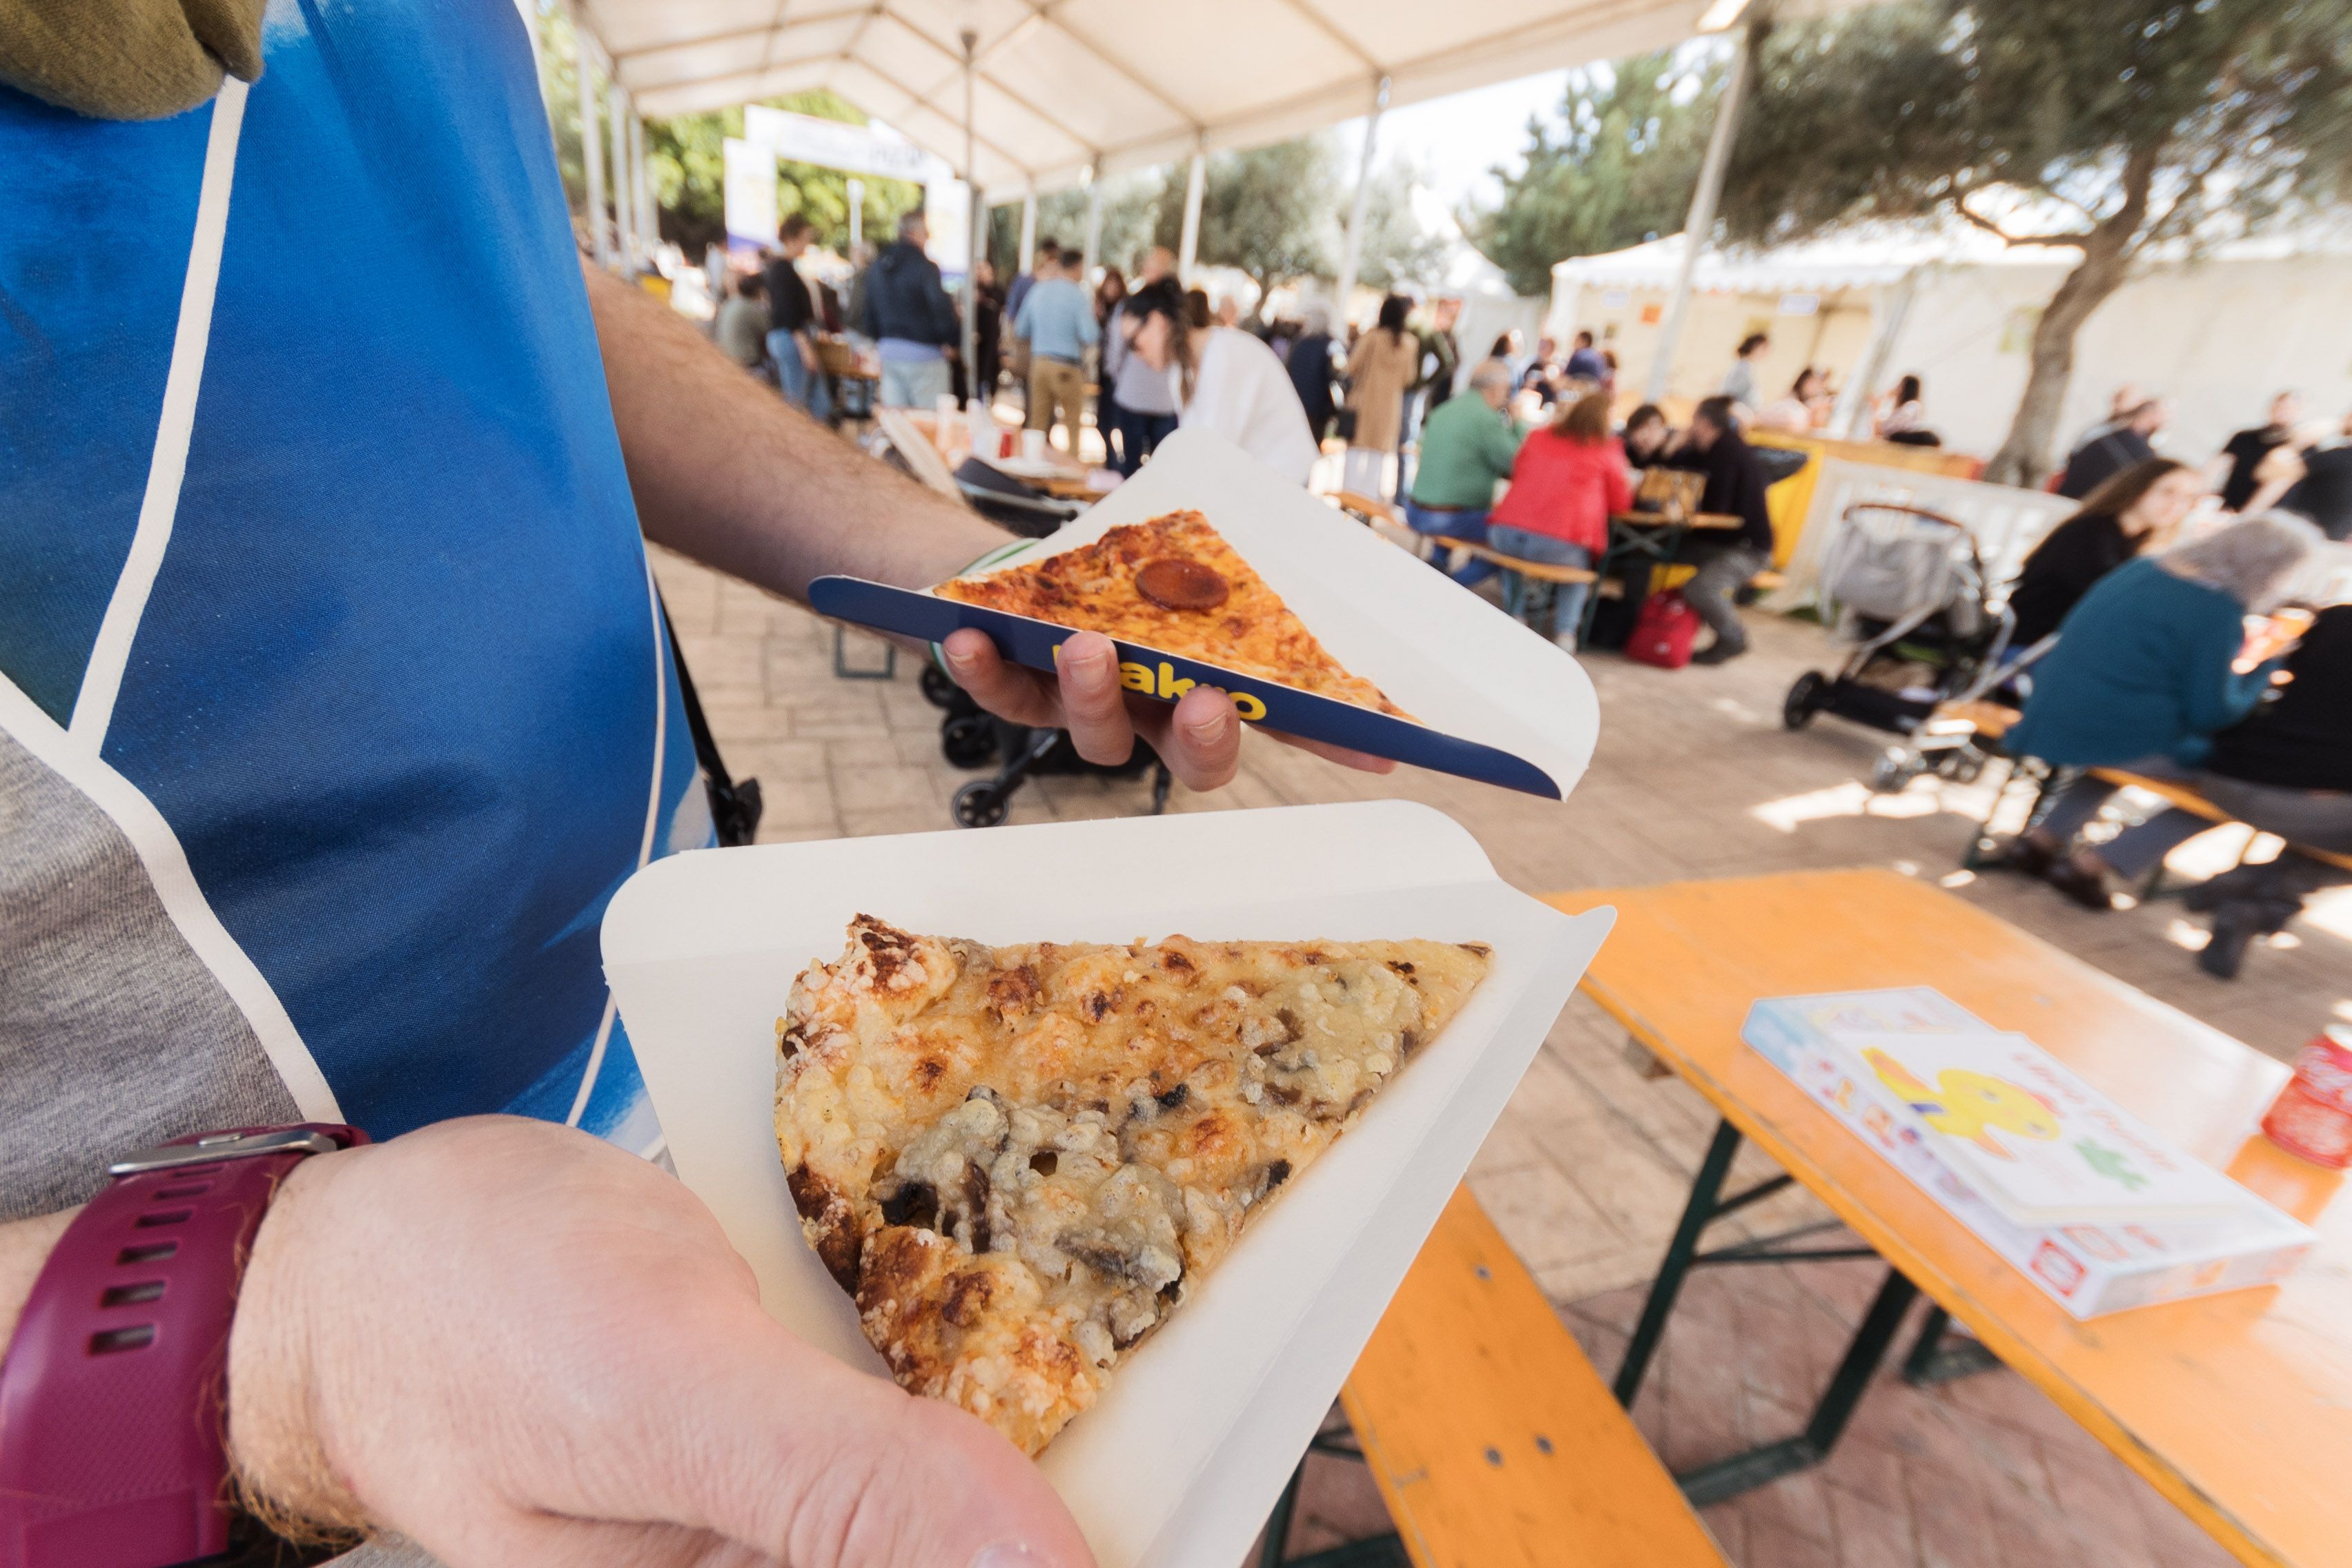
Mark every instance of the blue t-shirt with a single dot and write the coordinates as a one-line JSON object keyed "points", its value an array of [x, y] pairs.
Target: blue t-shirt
{"points": [[1057, 320], [324, 593]]}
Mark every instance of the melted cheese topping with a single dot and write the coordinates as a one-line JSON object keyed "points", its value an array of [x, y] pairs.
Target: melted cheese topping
{"points": [[1092, 588], [1019, 1160]]}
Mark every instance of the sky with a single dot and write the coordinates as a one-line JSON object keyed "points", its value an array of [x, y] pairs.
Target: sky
{"points": [[1458, 140]]}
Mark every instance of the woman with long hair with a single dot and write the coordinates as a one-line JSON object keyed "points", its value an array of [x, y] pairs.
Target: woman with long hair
{"points": [[2152, 664], [1224, 379], [1569, 477], [2132, 510], [1109, 294], [1902, 416], [1384, 361]]}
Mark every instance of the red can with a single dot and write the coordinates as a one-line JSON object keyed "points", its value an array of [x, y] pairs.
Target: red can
{"points": [[2311, 1118]]}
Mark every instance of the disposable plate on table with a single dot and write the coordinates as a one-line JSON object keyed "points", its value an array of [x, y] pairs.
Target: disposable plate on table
{"points": [[1178, 1463], [1494, 701]]}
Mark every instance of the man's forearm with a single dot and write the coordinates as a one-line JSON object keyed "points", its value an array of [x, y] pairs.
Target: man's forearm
{"points": [[25, 1246], [723, 471]]}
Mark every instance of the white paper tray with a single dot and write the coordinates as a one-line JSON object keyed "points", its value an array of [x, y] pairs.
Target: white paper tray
{"points": [[1178, 1463], [1494, 701]]}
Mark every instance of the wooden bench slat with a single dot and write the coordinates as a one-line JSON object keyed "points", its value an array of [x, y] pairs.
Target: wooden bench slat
{"points": [[1493, 1440], [2189, 800], [1541, 571]]}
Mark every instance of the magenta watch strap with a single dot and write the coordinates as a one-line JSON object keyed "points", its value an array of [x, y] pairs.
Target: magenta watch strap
{"points": [[114, 1392]]}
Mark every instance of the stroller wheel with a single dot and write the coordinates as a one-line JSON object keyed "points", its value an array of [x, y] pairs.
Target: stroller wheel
{"points": [[1804, 699], [938, 690], [1961, 764], [978, 805], [969, 741], [1895, 768]]}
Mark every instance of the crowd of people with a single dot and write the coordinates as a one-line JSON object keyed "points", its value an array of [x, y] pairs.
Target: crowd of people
{"points": [[2135, 656]]}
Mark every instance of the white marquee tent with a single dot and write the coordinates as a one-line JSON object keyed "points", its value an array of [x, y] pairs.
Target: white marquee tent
{"points": [[1065, 87], [1028, 96]]}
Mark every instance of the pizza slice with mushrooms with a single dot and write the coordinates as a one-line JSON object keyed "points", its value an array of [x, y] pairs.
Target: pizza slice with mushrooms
{"points": [[1175, 584], [1019, 1160]]}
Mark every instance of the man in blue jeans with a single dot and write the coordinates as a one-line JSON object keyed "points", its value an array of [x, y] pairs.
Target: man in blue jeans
{"points": [[1467, 444], [911, 318], [792, 322]]}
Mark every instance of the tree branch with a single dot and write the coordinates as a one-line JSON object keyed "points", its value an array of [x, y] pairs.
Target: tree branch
{"points": [[1970, 216]]}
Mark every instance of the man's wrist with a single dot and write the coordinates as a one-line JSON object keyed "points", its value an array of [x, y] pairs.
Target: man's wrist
{"points": [[25, 1246], [277, 1450]]}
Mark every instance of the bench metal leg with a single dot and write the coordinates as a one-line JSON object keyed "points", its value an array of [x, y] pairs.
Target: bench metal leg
{"points": [[1729, 1477], [1726, 1478], [844, 670], [1277, 1524], [1698, 1214], [1932, 1361], [1373, 1552]]}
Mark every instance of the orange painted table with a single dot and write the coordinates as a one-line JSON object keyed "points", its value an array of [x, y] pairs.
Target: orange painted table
{"points": [[2237, 1406]]}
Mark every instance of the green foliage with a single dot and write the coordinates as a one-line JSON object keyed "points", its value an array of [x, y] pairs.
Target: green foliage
{"points": [[1268, 212], [1398, 253], [1130, 208], [2115, 127], [558, 87], [1615, 169], [2026, 117], [687, 166]]}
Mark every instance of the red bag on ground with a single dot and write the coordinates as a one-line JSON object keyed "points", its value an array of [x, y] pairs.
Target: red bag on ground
{"points": [[1664, 631]]}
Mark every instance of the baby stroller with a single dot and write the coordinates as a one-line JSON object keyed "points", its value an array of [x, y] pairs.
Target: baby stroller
{"points": [[972, 738], [1905, 589]]}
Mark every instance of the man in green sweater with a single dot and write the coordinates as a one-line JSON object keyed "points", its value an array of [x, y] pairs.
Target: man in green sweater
{"points": [[1466, 444]]}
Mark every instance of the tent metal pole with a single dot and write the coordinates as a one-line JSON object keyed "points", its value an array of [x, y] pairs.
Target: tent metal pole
{"points": [[642, 184], [975, 242], [1188, 246], [1093, 251], [1850, 420], [857, 214], [591, 145], [1352, 254], [1028, 231], [617, 109], [1699, 228]]}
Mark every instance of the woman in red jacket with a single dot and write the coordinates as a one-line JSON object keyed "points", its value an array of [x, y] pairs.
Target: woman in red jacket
{"points": [[1569, 477]]}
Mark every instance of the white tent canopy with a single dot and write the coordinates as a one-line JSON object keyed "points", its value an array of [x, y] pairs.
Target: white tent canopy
{"points": [[1065, 87]]}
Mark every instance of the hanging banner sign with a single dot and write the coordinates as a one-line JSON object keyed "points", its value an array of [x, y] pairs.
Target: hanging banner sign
{"points": [[835, 144], [749, 185]]}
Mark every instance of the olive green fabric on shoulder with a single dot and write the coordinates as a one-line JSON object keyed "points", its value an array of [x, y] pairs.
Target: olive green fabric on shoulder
{"points": [[128, 59]]}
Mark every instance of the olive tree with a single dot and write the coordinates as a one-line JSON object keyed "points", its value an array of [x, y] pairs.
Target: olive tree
{"points": [[2124, 131]]}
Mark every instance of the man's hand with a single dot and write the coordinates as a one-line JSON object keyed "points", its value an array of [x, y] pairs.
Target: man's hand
{"points": [[1199, 738], [515, 1345], [808, 354], [725, 471]]}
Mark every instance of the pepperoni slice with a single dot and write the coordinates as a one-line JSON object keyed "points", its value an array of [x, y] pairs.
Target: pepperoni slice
{"points": [[1173, 583]]}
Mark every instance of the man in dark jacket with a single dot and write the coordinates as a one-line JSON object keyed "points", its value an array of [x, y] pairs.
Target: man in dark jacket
{"points": [[2103, 456], [1311, 375], [1726, 560], [910, 315]]}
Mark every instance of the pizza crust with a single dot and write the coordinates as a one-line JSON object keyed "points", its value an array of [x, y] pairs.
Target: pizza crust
{"points": [[1019, 1160]]}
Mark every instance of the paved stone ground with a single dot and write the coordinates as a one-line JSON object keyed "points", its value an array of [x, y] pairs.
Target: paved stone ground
{"points": [[1588, 1169]]}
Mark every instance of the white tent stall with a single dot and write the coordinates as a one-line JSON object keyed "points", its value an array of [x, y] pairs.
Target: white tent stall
{"points": [[1030, 96]]}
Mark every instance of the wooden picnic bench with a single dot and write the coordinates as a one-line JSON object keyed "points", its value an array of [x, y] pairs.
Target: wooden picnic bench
{"points": [[1493, 1440], [1540, 571], [2189, 798], [2172, 792], [1369, 508]]}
